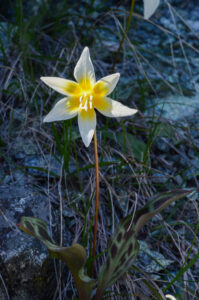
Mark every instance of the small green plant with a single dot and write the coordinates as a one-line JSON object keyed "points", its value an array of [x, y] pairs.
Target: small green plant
{"points": [[121, 253], [83, 97]]}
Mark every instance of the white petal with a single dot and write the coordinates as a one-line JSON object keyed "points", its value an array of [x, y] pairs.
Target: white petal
{"points": [[87, 127], [61, 85], [150, 7], [170, 297], [106, 84], [60, 112], [114, 109], [84, 68]]}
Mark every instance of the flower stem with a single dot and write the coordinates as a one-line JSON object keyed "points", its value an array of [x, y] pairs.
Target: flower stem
{"points": [[96, 203], [124, 35]]}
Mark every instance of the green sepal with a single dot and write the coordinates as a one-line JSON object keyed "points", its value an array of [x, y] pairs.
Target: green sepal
{"points": [[74, 256]]}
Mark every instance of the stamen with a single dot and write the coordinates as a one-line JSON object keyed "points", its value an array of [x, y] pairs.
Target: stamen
{"points": [[84, 100], [90, 101], [86, 105]]}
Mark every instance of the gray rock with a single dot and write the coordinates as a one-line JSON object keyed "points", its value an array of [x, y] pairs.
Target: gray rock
{"points": [[183, 161], [193, 170], [191, 153], [161, 145], [159, 178], [178, 179], [153, 260], [20, 177], [195, 132], [194, 25], [176, 107], [39, 166], [7, 179], [21, 256], [23, 147], [168, 24]]}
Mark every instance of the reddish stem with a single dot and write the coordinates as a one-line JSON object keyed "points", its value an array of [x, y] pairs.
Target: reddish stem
{"points": [[96, 203]]}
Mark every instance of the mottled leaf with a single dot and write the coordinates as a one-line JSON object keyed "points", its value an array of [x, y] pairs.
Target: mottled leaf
{"points": [[124, 247], [74, 256], [122, 252], [155, 205], [150, 7]]}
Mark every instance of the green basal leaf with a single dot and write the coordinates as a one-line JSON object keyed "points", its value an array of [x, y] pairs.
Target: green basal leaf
{"points": [[155, 205], [134, 145], [74, 256], [165, 130], [124, 247], [122, 252]]}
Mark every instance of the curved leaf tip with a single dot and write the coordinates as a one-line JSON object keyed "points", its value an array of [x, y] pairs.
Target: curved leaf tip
{"points": [[155, 205], [74, 256]]}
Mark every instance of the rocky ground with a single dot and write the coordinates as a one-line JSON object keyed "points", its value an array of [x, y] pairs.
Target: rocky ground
{"points": [[161, 62]]}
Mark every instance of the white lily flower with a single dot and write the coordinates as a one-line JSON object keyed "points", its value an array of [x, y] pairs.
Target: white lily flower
{"points": [[150, 7], [84, 96]]}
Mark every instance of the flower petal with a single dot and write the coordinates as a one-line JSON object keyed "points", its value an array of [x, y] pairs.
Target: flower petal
{"points": [[65, 109], [87, 125], [84, 71], [63, 86], [106, 85], [150, 7], [111, 108]]}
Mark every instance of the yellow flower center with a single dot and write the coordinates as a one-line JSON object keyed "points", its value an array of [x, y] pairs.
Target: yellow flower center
{"points": [[86, 96]]}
